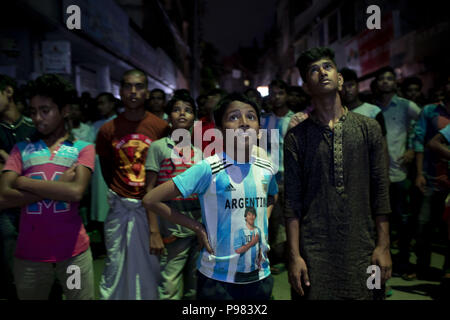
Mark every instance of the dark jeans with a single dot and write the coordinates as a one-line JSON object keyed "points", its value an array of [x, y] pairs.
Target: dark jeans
{"points": [[277, 231], [9, 224], [398, 193], [429, 217], [210, 289]]}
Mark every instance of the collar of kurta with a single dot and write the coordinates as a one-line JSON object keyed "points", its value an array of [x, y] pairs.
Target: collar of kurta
{"points": [[341, 119]]}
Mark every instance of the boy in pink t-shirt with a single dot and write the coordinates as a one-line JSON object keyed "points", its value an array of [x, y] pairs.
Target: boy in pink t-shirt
{"points": [[47, 176]]}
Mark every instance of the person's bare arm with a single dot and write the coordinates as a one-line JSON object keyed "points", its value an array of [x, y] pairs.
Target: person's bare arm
{"points": [[153, 201], [439, 145], [156, 242], [381, 256], [107, 169], [3, 158], [10, 197], [297, 269], [421, 182], [71, 191], [247, 246], [271, 200]]}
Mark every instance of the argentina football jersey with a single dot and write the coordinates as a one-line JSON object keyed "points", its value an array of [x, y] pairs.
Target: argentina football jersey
{"points": [[234, 201]]}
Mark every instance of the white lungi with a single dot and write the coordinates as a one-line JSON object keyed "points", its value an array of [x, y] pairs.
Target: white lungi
{"points": [[131, 272]]}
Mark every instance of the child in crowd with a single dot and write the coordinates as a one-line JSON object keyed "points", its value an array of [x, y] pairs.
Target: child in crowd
{"points": [[227, 183], [165, 161], [47, 176]]}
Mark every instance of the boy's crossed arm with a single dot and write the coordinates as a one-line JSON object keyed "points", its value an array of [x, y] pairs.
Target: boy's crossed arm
{"points": [[69, 187], [19, 191], [11, 197]]}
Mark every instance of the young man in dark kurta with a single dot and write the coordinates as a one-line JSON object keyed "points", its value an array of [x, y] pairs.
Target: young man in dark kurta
{"points": [[336, 192]]}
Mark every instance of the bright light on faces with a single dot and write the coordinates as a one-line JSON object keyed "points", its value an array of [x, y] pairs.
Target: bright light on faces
{"points": [[263, 90]]}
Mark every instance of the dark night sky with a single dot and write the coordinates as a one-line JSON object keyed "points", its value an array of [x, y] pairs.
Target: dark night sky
{"points": [[230, 23]]}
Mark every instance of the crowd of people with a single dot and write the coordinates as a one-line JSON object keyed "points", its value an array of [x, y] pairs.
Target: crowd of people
{"points": [[356, 176]]}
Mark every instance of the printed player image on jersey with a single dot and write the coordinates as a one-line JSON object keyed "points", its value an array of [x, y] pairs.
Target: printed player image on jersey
{"points": [[233, 198], [248, 244]]}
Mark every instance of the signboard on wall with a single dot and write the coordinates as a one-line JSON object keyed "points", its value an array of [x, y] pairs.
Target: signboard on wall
{"points": [[56, 57], [374, 46]]}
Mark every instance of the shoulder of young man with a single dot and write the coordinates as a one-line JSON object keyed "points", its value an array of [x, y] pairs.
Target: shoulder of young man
{"points": [[367, 122], [404, 102], [430, 109]]}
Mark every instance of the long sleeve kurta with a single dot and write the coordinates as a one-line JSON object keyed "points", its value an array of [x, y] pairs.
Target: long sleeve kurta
{"points": [[336, 182]]}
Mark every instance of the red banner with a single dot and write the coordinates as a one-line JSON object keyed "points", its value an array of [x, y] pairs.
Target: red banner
{"points": [[374, 46]]}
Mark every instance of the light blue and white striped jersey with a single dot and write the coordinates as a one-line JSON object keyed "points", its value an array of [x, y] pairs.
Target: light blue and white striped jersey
{"points": [[225, 189], [271, 121]]}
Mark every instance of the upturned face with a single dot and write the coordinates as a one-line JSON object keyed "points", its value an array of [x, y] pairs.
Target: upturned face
{"points": [[323, 77], [241, 117], [182, 115]]}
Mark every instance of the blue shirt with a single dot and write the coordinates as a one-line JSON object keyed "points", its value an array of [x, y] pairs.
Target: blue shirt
{"points": [[433, 118], [398, 117], [271, 121], [225, 188]]}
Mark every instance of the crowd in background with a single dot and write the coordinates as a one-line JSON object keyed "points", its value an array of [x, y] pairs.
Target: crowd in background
{"points": [[418, 197]]}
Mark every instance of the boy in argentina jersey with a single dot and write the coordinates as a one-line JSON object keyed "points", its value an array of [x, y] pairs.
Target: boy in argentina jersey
{"points": [[227, 187]]}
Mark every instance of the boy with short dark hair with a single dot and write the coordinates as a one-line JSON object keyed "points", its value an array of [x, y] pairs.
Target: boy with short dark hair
{"points": [[164, 162], [47, 176], [226, 184], [336, 192], [131, 272]]}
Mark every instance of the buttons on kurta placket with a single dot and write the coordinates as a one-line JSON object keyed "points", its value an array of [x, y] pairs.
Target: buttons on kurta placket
{"points": [[338, 157]]}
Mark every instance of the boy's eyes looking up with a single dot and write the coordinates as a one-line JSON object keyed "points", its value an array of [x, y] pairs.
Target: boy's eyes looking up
{"points": [[315, 68], [187, 110], [237, 115]]}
